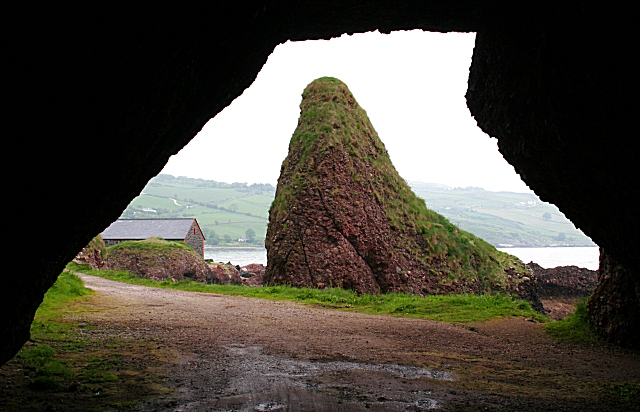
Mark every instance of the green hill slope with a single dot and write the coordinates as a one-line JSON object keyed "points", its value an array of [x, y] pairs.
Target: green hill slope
{"points": [[222, 209], [502, 218]]}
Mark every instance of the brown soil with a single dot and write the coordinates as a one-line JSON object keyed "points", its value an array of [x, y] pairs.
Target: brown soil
{"points": [[558, 308], [241, 354]]}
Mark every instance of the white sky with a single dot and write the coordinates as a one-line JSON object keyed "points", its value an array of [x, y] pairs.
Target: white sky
{"points": [[412, 86]]}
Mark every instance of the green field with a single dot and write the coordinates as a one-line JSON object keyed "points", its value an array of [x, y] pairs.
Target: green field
{"points": [[500, 218], [222, 209]]}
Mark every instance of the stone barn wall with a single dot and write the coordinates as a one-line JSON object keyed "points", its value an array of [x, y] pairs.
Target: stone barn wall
{"points": [[195, 238]]}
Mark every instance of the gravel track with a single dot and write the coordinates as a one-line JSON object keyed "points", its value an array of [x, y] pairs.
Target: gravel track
{"points": [[243, 354]]}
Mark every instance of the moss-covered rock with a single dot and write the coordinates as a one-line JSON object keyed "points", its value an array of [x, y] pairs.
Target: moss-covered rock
{"points": [[342, 216], [93, 254], [159, 259]]}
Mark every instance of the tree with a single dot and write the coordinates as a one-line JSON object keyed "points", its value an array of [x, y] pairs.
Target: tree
{"points": [[227, 238], [546, 216], [211, 237], [233, 207], [250, 235]]}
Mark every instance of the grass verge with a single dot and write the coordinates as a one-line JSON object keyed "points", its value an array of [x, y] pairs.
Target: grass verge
{"points": [[445, 308], [67, 360], [575, 328]]}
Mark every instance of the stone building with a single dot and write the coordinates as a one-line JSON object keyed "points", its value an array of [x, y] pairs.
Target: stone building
{"points": [[181, 230]]}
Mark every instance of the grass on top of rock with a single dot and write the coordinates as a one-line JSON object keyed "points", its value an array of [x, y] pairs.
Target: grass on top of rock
{"points": [[445, 308], [153, 244], [332, 120]]}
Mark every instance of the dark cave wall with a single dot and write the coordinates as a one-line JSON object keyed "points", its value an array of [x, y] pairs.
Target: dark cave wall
{"points": [[614, 307], [560, 96], [100, 97]]}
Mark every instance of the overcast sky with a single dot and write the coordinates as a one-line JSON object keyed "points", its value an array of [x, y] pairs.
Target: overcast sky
{"points": [[412, 86]]}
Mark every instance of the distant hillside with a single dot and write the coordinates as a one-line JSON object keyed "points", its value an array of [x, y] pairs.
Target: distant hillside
{"points": [[500, 218], [225, 211]]}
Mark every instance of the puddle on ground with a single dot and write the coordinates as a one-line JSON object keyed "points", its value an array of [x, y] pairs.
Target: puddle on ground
{"points": [[270, 406], [260, 382], [408, 372], [301, 400]]}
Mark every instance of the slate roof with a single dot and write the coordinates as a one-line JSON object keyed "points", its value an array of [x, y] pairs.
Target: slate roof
{"points": [[138, 229]]}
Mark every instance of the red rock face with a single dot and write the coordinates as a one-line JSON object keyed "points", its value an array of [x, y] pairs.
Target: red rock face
{"points": [[564, 281], [336, 234], [343, 217], [225, 273], [92, 254], [252, 274], [177, 265], [89, 256]]}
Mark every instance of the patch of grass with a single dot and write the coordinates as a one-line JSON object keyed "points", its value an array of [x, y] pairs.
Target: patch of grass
{"points": [[575, 328], [60, 361], [151, 244], [627, 392], [444, 308], [68, 288], [47, 372], [49, 335]]}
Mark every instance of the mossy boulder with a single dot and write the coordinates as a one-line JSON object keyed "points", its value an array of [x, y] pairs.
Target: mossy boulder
{"points": [[342, 216], [159, 259], [226, 273], [93, 254]]}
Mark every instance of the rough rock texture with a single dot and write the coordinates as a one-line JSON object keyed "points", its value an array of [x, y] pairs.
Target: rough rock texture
{"points": [[558, 93], [252, 274], [225, 273], [127, 86], [614, 307], [175, 263], [92, 254], [342, 216], [564, 281]]}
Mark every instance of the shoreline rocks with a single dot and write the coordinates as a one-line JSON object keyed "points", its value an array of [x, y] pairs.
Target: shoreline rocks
{"points": [[564, 281]]}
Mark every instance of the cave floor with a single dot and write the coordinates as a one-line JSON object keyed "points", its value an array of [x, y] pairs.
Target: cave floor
{"points": [[203, 352]]}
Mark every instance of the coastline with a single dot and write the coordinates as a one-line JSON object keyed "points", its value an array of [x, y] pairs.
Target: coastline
{"points": [[539, 247], [233, 248]]}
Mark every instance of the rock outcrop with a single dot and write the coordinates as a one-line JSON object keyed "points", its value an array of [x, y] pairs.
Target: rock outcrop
{"points": [[252, 274], [93, 254], [342, 216], [225, 273], [159, 260], [564, 281], [614, 307]]}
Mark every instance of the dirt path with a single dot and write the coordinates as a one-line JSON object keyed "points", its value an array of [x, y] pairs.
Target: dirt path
{"points": [[234, 353]]}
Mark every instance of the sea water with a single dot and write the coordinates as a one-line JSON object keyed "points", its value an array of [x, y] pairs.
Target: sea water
{"points": [[240, 256], [547, 257], [550, 257]]}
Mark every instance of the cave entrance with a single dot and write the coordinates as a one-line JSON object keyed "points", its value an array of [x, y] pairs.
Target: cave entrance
{"points": [[412, 85]]}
